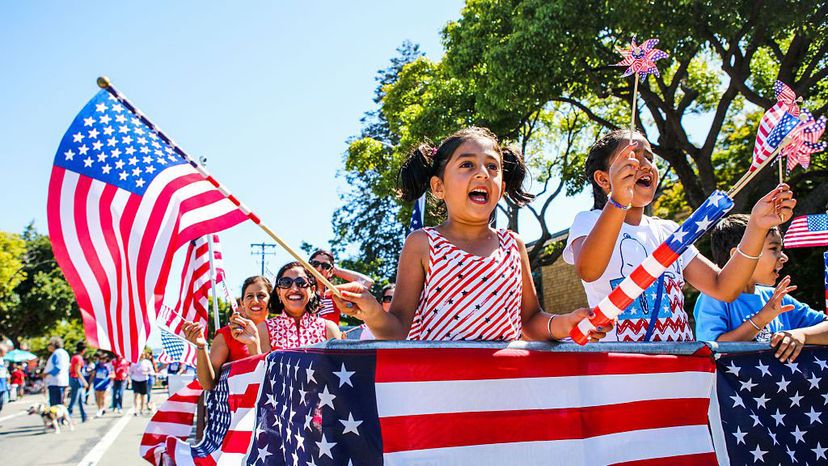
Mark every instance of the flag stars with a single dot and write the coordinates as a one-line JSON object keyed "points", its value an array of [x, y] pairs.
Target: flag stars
{"points": [[822, 364], [799, 435], [142, 141], [88, 121], [133, 160], [792, 454], [144, 150], [136, 171], [796, 399], [703, 224], [326, 398], [263, 454], [106, 169], [814, 381], [733, 369], [120, 118], [117, 108], [104, 120], [813, 416], [101, 107], [97, 145], [747, 385], [819, 451], [77, 137], [762, 401], [778, 417], [123, 176], [82, 150], [101, 157], [115, 153], [149, 169], [119, 164], [793, 366], [123, 129], [783, 385], [87, 162], [111, 142], [325, 447], [350, 425], [764, 368], [344, 376], [108, 131], [93, 133], [740, 436], [758, 454], [69, 155], [126, 139]]}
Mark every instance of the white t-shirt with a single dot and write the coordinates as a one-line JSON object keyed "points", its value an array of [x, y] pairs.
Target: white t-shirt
{"points": [[59, 360], [139, 371], [634, 243]]}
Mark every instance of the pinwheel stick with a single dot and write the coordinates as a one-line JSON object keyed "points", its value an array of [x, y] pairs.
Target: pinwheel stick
{"points": [[634, 105], [781, 174], [745, 179], [104, 83]]}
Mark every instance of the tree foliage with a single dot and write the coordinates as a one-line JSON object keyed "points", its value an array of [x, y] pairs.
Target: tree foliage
{"points": [[41, 298]]}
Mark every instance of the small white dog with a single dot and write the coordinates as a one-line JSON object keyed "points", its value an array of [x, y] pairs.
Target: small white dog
{"points": [[53, 416]]}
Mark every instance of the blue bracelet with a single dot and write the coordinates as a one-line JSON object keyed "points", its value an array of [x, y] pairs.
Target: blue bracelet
{"points": [[614, 203]]}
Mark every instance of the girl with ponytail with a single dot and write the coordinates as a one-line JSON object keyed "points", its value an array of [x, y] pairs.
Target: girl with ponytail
{"points": [[462, 280]]}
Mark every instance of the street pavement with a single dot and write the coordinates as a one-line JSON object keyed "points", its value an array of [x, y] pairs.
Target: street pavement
{"points": [[111, 440]]}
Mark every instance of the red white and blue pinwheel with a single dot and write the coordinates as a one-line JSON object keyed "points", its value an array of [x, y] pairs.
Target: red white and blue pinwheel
{"points": [[805, 141], [640, 59]]}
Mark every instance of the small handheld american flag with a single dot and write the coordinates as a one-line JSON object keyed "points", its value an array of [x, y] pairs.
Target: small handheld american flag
{"points": [[807, 231], [702, 220]]}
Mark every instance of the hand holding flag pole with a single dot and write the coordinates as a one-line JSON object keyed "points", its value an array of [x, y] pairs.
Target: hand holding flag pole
{"points": [[104, 83]]}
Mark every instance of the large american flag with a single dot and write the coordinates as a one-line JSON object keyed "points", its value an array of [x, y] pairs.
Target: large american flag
{"points": [[766, 412], [173, 420], [784, 108], [176, 349], [807, 231], [121, 201], [699, 222]]}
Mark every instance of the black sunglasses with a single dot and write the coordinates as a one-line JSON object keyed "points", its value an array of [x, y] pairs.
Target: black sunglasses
{"points": [[286, 282], [324, 265], [387, 299]]}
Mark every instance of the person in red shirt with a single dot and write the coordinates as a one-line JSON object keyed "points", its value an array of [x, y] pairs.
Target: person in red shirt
{"points": [[121, 370], [77, 382], [17, 379]]}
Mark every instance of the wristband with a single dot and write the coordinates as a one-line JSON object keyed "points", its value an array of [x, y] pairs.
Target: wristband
{"points": [[750, 319], [746, 255], [549, 325], [617, 204]]}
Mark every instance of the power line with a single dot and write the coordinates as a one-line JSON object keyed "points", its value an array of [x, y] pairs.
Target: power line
{"points": [[262, 250]]}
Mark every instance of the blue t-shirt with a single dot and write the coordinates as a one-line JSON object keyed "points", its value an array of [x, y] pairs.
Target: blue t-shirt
{"points": [[714, 317]]}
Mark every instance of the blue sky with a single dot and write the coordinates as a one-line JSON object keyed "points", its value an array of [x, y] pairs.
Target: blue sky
{"points": [[269, 93]]}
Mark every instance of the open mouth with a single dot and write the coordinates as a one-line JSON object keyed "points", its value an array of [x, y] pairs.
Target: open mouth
{"points": [[645, 181], [294, 297], [479, 195]]}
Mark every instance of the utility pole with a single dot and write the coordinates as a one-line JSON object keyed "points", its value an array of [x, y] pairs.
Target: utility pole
{"points": [[262, 250]]}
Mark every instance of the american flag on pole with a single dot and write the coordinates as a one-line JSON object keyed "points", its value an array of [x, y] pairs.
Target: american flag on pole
{"points": [[176, 349], [417, 215], [766, 412], [173, 420], [785, 108], [702, 220], [807, 231], [121, 202]]}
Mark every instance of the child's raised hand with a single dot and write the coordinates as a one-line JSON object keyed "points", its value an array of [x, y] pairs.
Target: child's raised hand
{"points": [[774, 208], [357, 300], [774, 305], [622, 174]]}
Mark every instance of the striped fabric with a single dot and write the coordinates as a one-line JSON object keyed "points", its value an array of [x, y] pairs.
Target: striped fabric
{"points": [[176, 349], [122, 199], [194, 293], [467, 297], [173, 420], [807, 231], [702, 220]]}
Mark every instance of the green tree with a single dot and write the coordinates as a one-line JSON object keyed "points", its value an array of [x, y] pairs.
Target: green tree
{"points": [[42, 298]]}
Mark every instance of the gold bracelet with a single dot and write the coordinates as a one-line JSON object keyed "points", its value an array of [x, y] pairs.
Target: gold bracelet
{"points": [[746, 255], [750, 319], [549, 325]]}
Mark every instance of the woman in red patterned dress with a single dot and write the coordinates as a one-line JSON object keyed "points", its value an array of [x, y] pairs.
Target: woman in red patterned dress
{"points": [[463, 280], [296, 324], [256, 292]]}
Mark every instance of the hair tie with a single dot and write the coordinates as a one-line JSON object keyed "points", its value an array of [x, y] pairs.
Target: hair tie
{"points": [[433, 151]]}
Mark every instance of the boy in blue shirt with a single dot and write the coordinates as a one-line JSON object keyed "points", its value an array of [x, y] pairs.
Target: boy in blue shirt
{"points": [[761, 312]]}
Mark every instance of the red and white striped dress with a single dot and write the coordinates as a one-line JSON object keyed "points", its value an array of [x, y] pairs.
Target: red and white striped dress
{"points": [[284, 334], [468, 297]]}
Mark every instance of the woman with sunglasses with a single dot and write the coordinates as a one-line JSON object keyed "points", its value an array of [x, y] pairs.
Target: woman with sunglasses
{"points": [[323, 261], [295, 301], [387, 296], [256, 292]]}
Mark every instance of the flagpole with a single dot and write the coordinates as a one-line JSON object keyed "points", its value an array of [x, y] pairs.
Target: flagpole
{"points": [[745, 179], [104, 83], [213, 280], [633, 106]]}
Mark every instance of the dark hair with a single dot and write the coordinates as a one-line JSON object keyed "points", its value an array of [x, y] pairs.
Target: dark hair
{"points": [[277, 306], [390, 286], [598, 159], [80, 346], [257, 278], [322, 252], [426, 161], [727, 234]]}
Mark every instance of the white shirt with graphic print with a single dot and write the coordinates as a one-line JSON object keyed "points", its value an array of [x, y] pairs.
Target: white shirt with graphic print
{"points": [[634, 243]]}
